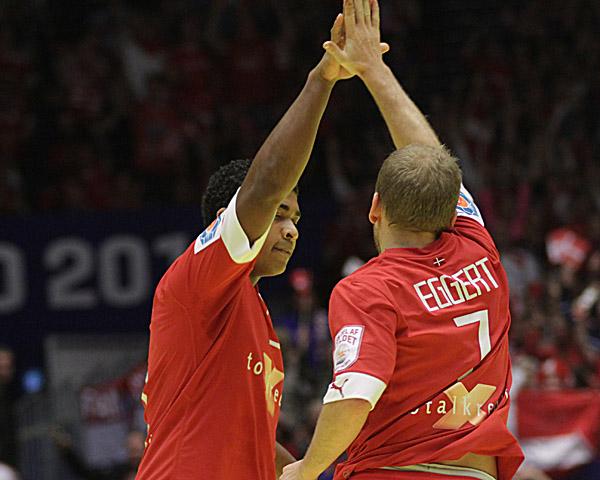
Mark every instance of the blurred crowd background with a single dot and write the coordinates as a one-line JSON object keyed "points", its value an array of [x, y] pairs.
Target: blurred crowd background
{"points": [[123, 106]]}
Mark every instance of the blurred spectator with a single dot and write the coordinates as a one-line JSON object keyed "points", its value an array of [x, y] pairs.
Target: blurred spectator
{"points": [[304, 333], [531, 473], [142, 51], [159, 151], [8, 397], [125, 471]]}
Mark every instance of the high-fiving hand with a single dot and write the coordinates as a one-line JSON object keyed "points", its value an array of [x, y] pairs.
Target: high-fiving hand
{"points": [[361, 48], [331, 68]]}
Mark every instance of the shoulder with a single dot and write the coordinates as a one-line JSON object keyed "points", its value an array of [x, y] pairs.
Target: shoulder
{"points": [[366, 285], [367, 276], [210, 235], [226, 228], [473, 231]]}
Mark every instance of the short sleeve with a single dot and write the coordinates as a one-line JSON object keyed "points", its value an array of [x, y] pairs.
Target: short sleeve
{"points": [[466, 207], [212, 266], [470, 224], [363, 326], [228, 228]]}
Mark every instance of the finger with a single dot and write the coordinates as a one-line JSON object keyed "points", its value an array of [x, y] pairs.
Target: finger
{"points": [[375, 20], [367, 11], [349, 15], [359, 12], [336, 52], [385, 47], [336, 30]]}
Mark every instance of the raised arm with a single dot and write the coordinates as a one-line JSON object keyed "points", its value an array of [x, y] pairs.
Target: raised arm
{"points": [[362, 57], [280, 162]]}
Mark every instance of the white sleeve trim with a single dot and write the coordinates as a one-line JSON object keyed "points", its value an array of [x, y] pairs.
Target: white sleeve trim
{"points": [[355, 385], [228, 227], [235, 238], [466, 206]]}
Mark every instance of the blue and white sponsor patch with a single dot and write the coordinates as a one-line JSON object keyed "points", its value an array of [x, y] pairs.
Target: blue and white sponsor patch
{"points": [[466, 206], [210, 235], [347, 346]]}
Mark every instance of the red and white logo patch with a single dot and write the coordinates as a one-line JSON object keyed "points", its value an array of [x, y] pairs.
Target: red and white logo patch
{"points": [[347, 346]]}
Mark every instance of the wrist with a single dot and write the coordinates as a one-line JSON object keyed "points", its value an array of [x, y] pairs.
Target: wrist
{"points": [[318, 77], [375, 72]]}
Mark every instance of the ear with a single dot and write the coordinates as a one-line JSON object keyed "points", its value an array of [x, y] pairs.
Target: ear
{"points": [[376, 209]]}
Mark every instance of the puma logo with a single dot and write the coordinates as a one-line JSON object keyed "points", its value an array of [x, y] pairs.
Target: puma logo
{"points": [[339, 388]]}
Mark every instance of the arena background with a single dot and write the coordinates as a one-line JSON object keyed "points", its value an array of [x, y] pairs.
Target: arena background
{"points": [[113, 114]]}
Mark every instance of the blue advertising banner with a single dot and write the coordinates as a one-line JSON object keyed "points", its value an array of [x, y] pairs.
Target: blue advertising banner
{"points": [[91, 272], [84, 272]]}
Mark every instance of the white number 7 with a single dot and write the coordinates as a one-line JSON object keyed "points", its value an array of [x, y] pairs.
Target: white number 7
{"points": [[481, 317]]}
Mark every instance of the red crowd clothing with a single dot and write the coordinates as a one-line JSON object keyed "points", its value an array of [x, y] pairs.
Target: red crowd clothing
{"points": [[215, 370], [422, 334]]}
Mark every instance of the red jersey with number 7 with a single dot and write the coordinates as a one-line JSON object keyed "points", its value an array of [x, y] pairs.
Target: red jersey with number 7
{"points": [[422, 334], [215, 370]]}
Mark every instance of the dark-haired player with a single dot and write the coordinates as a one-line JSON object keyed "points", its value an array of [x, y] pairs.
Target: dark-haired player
{"points": [[215, 372], [421, 362]]}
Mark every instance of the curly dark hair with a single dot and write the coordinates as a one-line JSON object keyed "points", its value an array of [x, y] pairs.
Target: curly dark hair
{"points": [[222, 186]]}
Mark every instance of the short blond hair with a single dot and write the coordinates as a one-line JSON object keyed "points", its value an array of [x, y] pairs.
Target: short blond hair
{"points": [[419, 186]]}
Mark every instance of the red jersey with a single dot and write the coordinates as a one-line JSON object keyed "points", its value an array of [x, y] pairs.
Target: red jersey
{"points": [[422, 334], [215, 370]]}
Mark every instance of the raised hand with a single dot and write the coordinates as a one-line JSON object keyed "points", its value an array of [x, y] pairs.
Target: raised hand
{"points": [[330, 67], [362, 47]]}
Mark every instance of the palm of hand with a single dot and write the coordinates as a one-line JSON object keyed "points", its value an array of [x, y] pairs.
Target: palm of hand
{"points": [[360, 53], [356, 51], [333, 71]]}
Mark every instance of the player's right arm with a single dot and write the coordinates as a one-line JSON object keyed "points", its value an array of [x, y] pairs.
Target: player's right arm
{"points": [[362, 56], [280, 161]]}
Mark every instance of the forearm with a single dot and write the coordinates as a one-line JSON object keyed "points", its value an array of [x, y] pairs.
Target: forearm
{"points": [[405, 122], [281, 160], [339, 424], [282, 458]]}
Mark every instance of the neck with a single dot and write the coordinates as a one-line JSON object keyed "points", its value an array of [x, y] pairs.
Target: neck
{"points": [[254, 279], [406, 239]]}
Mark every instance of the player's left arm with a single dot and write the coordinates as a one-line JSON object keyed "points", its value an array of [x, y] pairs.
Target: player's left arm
{"points": [[405, 121], [338, 425], [282, 458], [361, 56]]}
